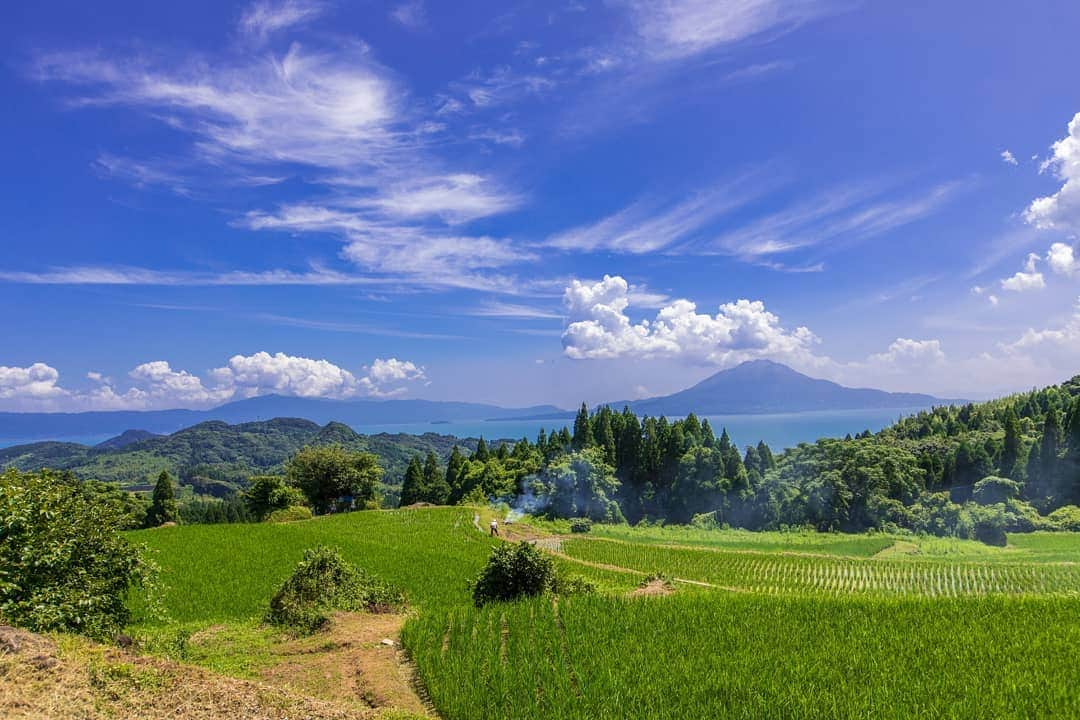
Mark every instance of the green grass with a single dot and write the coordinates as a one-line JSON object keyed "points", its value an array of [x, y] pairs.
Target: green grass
{"points": [[817, 629], [229, 572], [731, 656]]}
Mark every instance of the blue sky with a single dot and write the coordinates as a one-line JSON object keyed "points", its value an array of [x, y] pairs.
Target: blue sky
{"points": [[533, 202]]}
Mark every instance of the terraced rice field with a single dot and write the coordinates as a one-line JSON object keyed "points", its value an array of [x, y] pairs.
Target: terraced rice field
{"points": [[824, 627], [795, 574]]}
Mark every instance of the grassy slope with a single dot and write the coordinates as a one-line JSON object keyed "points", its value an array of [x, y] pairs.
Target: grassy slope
{"points": [[696, 654]]}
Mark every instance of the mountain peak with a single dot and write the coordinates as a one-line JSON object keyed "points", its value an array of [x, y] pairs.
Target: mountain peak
{"points": [[766, 386]]}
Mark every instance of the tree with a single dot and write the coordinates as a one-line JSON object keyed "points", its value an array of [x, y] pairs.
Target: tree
{"points": [[583, 435], [330, 475], [1010, 451], [1070, 467], [267, 493], [63, 563], [413, 489], [436, 491], [162, 503], [455, 468]]}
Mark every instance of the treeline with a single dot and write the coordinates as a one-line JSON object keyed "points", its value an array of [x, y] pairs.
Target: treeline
{"points": [[975, 470]]}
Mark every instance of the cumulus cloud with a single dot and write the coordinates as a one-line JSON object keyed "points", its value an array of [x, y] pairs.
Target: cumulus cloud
{"points": [[263, 373], [1063, 338], [599, 327], [1061, 210], [157, 384], [1008, 158], [1027, 279], [1062, 259], [907, 352], [34, 382]]}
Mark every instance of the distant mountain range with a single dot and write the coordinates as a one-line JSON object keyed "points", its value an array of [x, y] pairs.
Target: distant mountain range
{"points": [[355, 413], [755, 387]]}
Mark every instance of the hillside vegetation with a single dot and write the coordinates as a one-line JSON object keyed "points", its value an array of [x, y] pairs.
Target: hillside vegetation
{"points": [[217, 459]]}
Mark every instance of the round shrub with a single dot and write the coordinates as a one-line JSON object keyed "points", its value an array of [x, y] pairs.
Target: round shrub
{"points": [[1066, 517], [580, 525], [290, 514], [513, 571], [323, 582]]}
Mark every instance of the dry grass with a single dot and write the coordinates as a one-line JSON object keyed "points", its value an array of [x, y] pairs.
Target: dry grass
{"points": [[73, 678]]}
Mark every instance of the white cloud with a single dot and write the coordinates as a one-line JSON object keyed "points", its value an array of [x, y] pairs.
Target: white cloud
{"points": [[1064, 338], [453, 198], [673, 29], [35, 382], [156, 384], [1008, 158], [324, 109], [907, 352], [1027, 279], [265, 17], [841, 213], [410, 14], [1062, 209], [262, 373], [1062, 259], [645, 227], [599, 327]]}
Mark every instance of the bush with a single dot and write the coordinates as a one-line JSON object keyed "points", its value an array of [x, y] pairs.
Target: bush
{"points": [[993, 490], [513, 571], [1066, 517], [989, 527], [324, 582], [267, 493], [290, 514], [580, 525], [63, 565], [562, 584]]}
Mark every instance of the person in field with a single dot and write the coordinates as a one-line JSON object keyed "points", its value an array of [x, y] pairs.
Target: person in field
{"points": [[494, 527]]}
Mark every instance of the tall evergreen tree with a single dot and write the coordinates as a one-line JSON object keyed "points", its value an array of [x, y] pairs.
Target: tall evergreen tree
{"points": [[1070, 465], [412, 489], [455, 468], [768, 462], [163, 507], [707, 437], [481, 453], [1010, 452], [606, 438], [583, 436]]}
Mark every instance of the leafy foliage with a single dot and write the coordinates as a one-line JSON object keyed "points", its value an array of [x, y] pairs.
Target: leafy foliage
{"points": [[63, 565], [269, 493], [332, 477], [323, 582], [513, 571]]}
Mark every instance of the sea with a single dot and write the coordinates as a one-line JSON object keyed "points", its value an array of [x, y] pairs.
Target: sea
{"points": [[779, 430]]}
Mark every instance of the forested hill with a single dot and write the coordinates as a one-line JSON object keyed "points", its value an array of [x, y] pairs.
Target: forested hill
{"points": [[763, 386], [216, 458]]}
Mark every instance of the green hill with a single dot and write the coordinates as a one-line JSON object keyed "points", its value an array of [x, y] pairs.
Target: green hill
{"points": [[215, 458]]}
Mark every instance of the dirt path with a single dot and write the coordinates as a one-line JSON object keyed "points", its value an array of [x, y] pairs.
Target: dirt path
{"points": [[358, 659]]}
